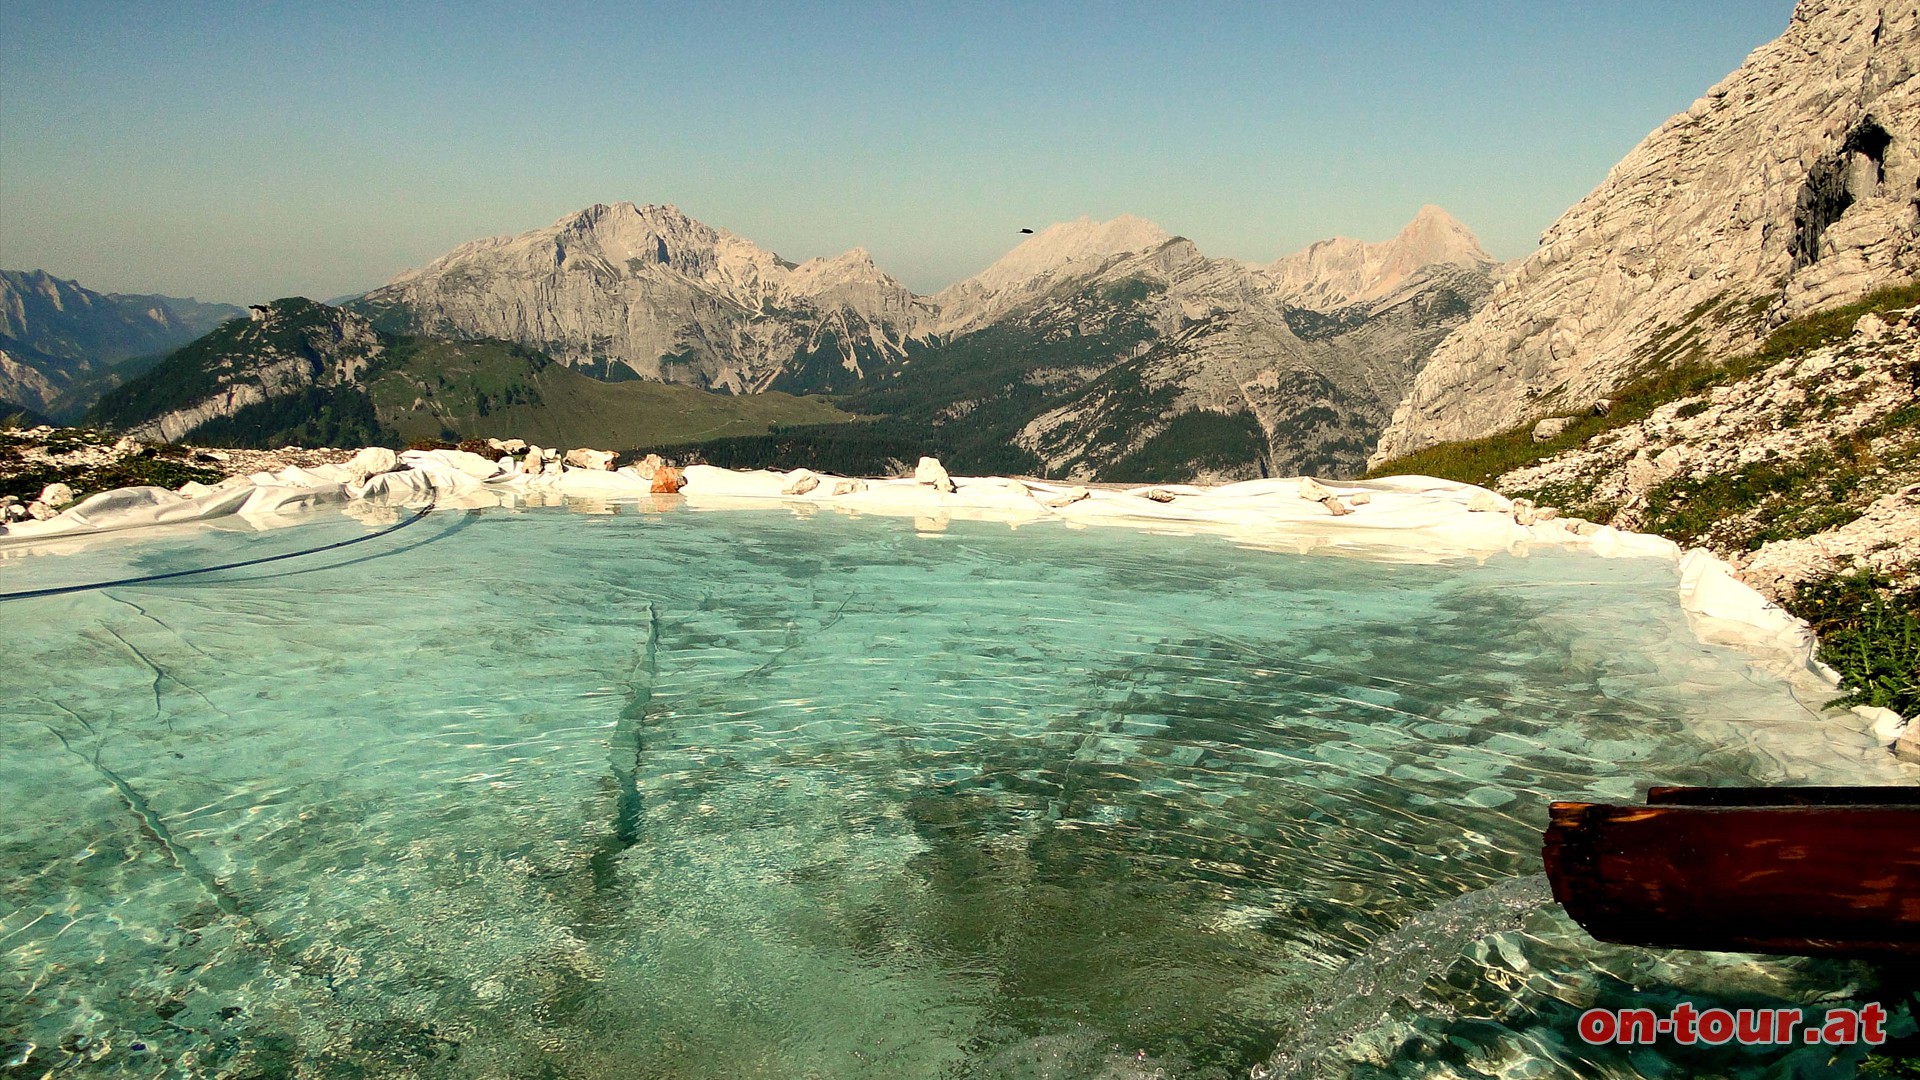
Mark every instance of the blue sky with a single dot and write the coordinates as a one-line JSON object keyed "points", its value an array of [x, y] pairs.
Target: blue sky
{"points": [[245, 151]]}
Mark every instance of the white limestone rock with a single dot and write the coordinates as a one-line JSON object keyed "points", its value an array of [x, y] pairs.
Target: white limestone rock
{"points": [[850, 486], [1887, 726], [1313, 490], [596, 460], [1907, 746], [800, 481], [56, 495], [1550, 429], [370, 462], [933, 474], [1487, 502], [1065, 498]]}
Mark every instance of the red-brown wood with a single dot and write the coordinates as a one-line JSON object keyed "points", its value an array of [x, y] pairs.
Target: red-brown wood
{"points": [[1808, 880]]}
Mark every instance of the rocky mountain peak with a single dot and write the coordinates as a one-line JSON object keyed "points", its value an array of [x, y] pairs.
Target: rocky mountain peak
{"points": [[625, 289], [854, 267], [1064, 251], [1067, 248], [1340, 272], [1435, 236]]}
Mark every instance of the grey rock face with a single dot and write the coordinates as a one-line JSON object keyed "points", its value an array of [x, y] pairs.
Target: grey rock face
{"points": [[1790, 186], [1831, 415], [1297, 364], [1315, 387], [645, 291]]}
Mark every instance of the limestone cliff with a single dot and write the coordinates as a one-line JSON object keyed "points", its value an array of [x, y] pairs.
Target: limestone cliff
{"points": [[622, 291], [1793, 184]]}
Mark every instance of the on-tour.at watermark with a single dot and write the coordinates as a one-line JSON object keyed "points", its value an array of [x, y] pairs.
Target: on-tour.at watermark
{"points": [[1687, 1025]]}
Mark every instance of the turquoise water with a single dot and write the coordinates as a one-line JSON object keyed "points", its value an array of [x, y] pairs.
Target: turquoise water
{"points": [[740, 794]]}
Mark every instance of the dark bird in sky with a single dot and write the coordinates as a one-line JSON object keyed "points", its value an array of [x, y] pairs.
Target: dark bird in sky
{"points": [[1026, 230]]}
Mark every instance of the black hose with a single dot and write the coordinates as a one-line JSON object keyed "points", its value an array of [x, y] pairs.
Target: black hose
{"points": [[62, 590]]}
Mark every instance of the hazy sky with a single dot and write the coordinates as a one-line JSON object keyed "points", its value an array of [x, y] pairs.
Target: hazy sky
{"points": [[251, 150]]}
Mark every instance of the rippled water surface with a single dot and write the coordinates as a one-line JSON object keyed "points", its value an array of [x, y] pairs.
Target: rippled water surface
{"points": [[739, 794]]}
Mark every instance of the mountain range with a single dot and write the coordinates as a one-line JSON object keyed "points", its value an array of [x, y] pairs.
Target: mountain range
{"points": [[62, 344], [1096, 350], [1117, 351], [305, 373], [1088, 345]]}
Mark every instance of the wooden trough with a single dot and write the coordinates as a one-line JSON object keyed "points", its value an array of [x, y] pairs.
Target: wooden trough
{"points": [[1808, 871]]}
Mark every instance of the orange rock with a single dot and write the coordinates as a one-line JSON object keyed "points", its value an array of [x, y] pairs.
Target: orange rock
{"points": [[667, 480]]}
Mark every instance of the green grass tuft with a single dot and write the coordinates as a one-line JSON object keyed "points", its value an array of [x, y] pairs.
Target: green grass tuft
{"points": [[1870, 633]]}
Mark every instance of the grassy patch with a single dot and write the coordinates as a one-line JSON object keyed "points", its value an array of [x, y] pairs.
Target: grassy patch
{"points": [[869, 448], [1870, 633], [476, 389]]}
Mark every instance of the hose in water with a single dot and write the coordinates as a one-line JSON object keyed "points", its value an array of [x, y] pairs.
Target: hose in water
{"points": [[62, 590]]}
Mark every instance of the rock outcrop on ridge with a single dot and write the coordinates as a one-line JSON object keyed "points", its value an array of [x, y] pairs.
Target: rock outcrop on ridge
{"points": [[1791, 185], [57, 336], [627, 291], [287, 348]]}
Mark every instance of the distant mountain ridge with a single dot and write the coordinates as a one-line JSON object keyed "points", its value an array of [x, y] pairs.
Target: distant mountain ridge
{"points": [[1272, 353], [1116, 351], [1108, 350], [56, 335], [311, 374], [1341, 272]]}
